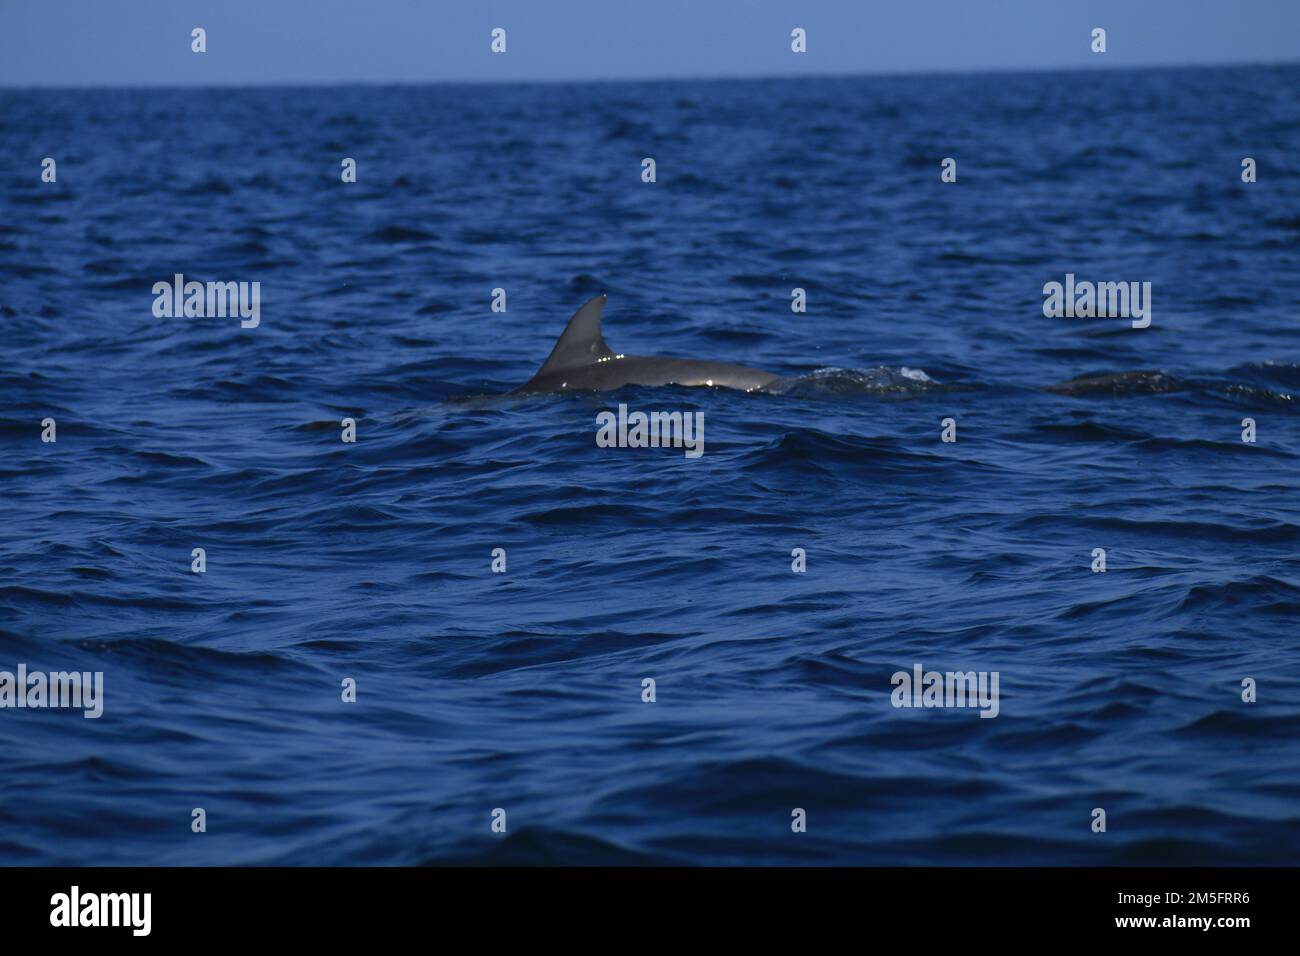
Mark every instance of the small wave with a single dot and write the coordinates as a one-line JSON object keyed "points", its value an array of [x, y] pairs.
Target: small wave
{"points": [[173, 658], [588, 284], [1283, 596], [810, 449], [1283, 373], [399, 234], [210, 186]]}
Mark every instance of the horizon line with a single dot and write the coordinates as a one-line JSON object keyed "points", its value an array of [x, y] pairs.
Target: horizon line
{"points": [[684, 78]]}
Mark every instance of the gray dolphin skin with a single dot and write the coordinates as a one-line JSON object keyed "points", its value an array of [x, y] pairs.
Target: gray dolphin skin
{"points": [[1143, 382], [582, 361]]}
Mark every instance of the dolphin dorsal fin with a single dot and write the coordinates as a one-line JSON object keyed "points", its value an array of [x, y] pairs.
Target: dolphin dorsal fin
{"points": [[580, 344]]}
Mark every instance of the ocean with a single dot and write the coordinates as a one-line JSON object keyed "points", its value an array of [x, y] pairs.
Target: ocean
{"points": [[501, 716]]}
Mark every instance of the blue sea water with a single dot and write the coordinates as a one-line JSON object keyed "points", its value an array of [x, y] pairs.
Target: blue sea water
{"points": [[1119, 690]]}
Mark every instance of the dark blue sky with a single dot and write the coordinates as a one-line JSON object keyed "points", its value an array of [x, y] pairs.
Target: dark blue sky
{"points": [[134, 42]]}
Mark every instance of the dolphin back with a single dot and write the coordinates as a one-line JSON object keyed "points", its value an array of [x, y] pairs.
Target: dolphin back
{"points": [[582, 360]]}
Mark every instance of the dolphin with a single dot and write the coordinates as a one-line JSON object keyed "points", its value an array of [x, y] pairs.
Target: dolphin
{"points": [[582, 361]]}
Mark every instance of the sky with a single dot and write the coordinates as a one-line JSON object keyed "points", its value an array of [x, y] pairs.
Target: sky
{"points": [[254, 42]]}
